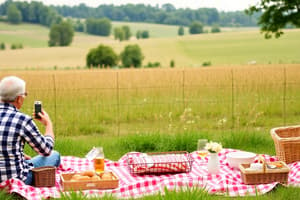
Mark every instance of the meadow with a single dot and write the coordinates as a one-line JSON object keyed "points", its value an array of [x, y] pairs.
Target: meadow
{"points": [[231, 47], [149, 110]]}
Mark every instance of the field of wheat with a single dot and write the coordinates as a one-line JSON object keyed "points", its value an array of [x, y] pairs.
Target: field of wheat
{"points": [[114, 102], [239, 47]]}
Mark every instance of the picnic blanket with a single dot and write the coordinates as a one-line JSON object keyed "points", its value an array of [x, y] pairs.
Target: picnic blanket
{"points": [[226, 182]]}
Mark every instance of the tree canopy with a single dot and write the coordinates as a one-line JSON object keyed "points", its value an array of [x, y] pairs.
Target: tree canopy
{"points": [[102, 56], [61, 34], [276, 14], [13, 14], [132, 56]]}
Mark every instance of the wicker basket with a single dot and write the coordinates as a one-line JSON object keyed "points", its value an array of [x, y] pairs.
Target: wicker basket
{"points": [[287, 143], [265, 175], [160, 162], [44, 176]]}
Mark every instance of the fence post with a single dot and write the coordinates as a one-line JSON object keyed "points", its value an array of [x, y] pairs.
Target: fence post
{"points": [[232, 99], [55, 103], [118, 102], [284, 96]]}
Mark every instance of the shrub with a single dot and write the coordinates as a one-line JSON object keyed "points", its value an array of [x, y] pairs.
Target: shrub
{"points": [[132, 56], [172, 63], [180, 31], [2, 46], [206, 63], [102, 56], [215, 28], [196, 28]]}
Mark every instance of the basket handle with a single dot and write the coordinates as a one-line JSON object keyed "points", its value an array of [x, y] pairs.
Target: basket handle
{"points": [[262, 160]]}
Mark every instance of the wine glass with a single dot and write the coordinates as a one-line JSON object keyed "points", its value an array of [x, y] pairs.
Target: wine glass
{"points": [[202, 152]]}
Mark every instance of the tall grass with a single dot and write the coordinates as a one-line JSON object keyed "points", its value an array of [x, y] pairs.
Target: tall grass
{"points": [[109, 102]]}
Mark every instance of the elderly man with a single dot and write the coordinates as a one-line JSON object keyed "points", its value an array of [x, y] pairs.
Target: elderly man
{"points": [[17, 128]]}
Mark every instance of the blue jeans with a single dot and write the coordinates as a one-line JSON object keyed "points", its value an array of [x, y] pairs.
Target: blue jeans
{"points": [[40, 161]]}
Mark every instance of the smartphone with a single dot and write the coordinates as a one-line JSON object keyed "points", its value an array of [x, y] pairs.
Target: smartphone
{"points": [[37, 109]]}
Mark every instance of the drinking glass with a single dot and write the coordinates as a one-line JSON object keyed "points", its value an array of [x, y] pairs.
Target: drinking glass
{"points": [[202, 152]]}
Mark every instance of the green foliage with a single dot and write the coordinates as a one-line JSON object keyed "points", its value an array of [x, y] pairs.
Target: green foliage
{"points": [[181, 30], [79, 26], [16, 46], [122, 33], [215, 28], [196, 28], [102, 56], [206, 63], [172, 63], [153, 65], [61, 34], [145, 34], [2, 46], [138, 34], [142, 34], [276, 15], [132, 56], [127, 32], [98, 26], [14, 15]]}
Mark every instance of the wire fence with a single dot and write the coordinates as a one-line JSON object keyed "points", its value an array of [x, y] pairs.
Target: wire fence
{"points": [[126, 101]]}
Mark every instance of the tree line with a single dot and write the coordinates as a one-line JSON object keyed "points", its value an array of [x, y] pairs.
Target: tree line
{"points": [[166, 14]]}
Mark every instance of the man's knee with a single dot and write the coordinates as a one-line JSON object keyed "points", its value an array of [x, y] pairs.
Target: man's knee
{"points": [[56, 156]]}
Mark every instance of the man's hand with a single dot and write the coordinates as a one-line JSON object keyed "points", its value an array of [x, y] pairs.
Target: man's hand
{"points": [[27, 157], [45, 119]]}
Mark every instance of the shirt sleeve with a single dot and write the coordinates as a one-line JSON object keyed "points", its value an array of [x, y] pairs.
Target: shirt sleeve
{"points": [[43, 145]]}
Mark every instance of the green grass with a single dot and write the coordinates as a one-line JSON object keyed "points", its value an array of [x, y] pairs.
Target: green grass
{"points": [[27, 34], [231, 47], [155, 30]]}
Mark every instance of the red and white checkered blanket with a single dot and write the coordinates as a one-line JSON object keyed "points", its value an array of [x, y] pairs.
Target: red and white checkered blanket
{"points": [[227, 182]]}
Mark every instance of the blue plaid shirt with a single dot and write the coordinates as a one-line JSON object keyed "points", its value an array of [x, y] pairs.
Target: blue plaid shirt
{"points": [[17, 128]]}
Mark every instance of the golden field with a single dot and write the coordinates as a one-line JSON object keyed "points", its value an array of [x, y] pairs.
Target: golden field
{"points": [[83, 102]]}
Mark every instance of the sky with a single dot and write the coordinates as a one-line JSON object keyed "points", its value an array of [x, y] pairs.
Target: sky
{"points": [[221, 5]]}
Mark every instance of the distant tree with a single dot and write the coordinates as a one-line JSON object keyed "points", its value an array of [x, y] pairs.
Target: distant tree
{"points": [[98, 26], [14, 15], [172, 63], [79, 26], [61, 34], [276, 14], [127, 32], [138, 35], [2, 46], [132, 56], [181, 30], [196, 28], [145, 34], [102, 56], [168, 7], [119, 34], [215, 28]]}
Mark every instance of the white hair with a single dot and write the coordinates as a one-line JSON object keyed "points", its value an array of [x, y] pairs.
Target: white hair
{"points": [[10, 88]]}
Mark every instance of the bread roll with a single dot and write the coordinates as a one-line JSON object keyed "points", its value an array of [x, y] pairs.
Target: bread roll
{"points": [[89, 173]]}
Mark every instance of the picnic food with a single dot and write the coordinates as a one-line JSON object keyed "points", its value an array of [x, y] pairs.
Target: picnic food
{"points": [[106, 176], [89, 173]]}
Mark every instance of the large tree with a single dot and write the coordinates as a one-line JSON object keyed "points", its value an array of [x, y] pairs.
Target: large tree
{"points": [[276, 15], [61, 34]]}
